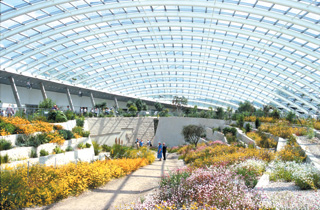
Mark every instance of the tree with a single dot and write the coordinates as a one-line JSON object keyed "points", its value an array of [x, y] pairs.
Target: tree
{"points": [[158, 106], [193, 133], [179, 101], [220, 113], [246, 107], [139, 104], [129, 103]]}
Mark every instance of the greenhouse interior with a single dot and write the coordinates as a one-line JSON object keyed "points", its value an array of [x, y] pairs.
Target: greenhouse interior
{"points": [[149, 104]]}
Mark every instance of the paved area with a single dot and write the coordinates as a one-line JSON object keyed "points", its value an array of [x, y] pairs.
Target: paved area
{"points": [[119, 192]]}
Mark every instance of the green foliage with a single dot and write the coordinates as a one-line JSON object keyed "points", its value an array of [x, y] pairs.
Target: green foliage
{"points": [[231, 130], [78, 130], [8, 127], [246, 107], [46, 104], [88, 145], [106, 148], [192, 133], [33, 154], [43, 153], [248, 127], [290, 117], [80, 146], [57, 150], [32, 141], [86, 133], [96, 147], [70, 115], [220, 113], [67, 135], [159, 107], [5, 145], [257, 123], [80, 122], [240, 121], [57, 116], [4, 159], [119, 151], [69, 148]]}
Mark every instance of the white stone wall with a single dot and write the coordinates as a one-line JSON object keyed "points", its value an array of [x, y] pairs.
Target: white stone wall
{"points": [[19, 153], [170, 128], [105, 130], [243, 137]]}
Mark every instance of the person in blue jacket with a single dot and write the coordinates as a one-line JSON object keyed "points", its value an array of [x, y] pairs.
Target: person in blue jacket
{"points": [[160, 151]]}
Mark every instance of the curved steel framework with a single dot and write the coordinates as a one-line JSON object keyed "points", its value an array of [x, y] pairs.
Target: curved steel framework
{"points": [[214, 52]]}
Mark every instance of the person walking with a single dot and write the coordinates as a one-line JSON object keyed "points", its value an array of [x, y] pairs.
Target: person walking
{"points": [[164, 150], [160, 151]]}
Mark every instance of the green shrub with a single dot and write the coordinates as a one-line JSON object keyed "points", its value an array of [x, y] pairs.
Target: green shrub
{"points": [[4, 159], [86, 133], [231, 130], [97, 148], [57, 116], [88, 145], [33, 154], [69, 148], [67, 135], [78, 130], [80, 146], [5, 145], [8, 127], [248, 127], [57, 150], [70, 115], [43, 153], [257, 123], [106, 148], [80, 122]]}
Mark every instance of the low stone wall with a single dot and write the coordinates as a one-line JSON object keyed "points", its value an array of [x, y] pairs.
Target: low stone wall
{"points": [[71, 124], [218, 136], [19, 153], [243, 137], [85, 155], [281, 144]]}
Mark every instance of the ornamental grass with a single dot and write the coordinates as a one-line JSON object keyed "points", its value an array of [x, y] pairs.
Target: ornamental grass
{"points": [[46, 184]]}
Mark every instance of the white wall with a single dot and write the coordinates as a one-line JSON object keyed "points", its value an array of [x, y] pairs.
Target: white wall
{"points": [[169, 128]]}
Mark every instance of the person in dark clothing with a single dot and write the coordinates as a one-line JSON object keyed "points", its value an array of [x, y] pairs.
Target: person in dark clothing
{"points": [[164, 150]]}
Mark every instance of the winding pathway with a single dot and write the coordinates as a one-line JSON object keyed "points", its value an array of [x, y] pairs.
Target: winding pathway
{"points": [[119, 192]]}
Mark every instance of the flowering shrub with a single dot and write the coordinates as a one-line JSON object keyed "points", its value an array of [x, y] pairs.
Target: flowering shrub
{"points": [[305, 175], [262, 140], [283, 130], [217, 187], [48, 184], [250, 170], [218, 154]]}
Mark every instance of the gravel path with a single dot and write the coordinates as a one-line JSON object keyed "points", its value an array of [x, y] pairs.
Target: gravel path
{"points": [[119, 192]]}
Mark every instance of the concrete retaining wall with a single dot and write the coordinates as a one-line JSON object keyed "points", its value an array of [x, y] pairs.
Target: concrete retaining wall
{"points": [[105, 130], [169, 128], [243, 137], [20, 153]]}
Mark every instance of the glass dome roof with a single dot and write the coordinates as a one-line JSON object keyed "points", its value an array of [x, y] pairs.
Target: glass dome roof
{"points": [[215, 53]]}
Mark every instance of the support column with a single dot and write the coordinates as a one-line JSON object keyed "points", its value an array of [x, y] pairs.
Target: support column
{"points": [[92, 100], [43, 91], [15, 91], [116, 103], [70, 100]]}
